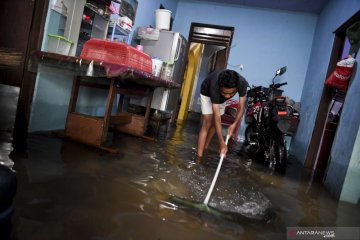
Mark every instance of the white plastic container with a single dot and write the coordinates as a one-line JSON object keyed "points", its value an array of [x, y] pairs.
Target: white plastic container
{"points": [[125, 23], [162, 19], [156, 66], [59, 44], [148, 33]]}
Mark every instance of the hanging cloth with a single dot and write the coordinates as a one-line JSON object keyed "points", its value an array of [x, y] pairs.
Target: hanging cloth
{"points": [[339, 78]]}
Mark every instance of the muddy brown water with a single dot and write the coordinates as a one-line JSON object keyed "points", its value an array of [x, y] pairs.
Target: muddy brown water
{"points": [[67, 190]]}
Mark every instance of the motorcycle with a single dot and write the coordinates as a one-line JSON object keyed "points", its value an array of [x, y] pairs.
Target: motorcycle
{"points": [[269, 116]]}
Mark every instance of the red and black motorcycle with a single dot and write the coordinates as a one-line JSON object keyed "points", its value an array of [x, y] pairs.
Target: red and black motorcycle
{"points": [[269, 117]]}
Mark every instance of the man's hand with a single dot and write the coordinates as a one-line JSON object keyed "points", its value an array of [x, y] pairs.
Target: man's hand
{"points": [[239, 115], [231, 130], [217, 122], [223, 148]]}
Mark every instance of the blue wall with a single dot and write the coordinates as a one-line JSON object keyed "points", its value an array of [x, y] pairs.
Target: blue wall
{"points": [[332, 17], [264, 40]]}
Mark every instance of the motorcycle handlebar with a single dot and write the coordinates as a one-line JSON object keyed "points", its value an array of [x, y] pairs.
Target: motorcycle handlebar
{"points": [[277, 85], [272, 86]]}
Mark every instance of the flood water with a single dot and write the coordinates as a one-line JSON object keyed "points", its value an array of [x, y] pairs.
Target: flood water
{"points": [[67, 190]]}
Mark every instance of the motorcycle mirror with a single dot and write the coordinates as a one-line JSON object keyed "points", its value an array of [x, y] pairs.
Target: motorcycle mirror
{"points": [[280, 71]]}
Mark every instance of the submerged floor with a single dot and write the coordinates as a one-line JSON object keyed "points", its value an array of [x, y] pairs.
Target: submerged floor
{"points": [[67, 190]]}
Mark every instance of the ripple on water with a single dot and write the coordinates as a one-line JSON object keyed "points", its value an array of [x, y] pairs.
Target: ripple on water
{"points": [[246, 199]]}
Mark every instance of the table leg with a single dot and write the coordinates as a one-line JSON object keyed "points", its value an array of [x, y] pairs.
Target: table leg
{"points": [[108, 108], [149, 94], [73, 98], [74, 94]]}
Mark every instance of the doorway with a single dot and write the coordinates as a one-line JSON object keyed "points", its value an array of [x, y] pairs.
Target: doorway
{"points": [[330, 106], [207, 50]]}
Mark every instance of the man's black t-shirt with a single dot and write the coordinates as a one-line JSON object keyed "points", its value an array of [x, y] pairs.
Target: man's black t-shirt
{"points": [[210, 87]]}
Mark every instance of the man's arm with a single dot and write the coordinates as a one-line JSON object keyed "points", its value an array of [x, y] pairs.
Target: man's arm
{"points": [[218, 129], [239, 115]]}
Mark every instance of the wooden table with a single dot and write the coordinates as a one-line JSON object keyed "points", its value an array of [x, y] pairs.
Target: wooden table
{"points": [[120, 79]]}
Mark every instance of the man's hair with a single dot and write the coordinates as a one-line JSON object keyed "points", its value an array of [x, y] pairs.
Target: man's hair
{"points": [[228, 79]]}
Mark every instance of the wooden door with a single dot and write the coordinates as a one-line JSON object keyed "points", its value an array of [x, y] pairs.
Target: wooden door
{"points": [[21, 29], [15, 23]]}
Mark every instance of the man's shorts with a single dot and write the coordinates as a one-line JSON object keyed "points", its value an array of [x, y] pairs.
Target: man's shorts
{"points": [[206, 105]]}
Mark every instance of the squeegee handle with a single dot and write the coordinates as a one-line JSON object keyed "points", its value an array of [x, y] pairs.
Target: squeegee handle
{"points": [[227, 140], [216, 175]]}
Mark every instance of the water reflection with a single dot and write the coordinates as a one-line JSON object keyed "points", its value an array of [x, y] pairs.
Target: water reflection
{"points": [[6, 148], [71, 191]]}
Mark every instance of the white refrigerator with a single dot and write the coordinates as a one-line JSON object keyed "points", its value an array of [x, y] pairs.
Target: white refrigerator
{"points": [[170, 47]]}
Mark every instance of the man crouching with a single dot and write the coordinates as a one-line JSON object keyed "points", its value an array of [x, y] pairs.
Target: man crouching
{"points": [[216, 89]]}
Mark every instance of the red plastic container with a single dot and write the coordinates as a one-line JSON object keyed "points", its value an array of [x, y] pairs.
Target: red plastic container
{"points": [[116, 53]]}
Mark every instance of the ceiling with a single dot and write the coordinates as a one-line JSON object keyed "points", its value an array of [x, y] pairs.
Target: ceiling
{"points": [[307, 6]]}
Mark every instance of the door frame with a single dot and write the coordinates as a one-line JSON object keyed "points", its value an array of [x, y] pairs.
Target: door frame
{"points": [[327, 96], [208, 34], [27, 82]]}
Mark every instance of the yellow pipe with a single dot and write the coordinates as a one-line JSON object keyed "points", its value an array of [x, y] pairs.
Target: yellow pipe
{"points": [[194, 56]]}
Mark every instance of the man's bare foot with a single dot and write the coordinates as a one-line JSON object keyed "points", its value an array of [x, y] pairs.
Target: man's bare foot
{"points": [[199, 159]]}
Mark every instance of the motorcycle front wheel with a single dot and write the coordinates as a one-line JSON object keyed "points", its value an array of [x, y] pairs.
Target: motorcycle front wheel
{"points": [[252, 144]]}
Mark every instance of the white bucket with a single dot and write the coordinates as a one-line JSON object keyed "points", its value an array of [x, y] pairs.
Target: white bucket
{"points": [[156, 67], [162, 19]]}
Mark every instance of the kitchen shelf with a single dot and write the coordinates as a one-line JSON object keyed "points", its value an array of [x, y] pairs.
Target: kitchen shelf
{"points": [[115, 29], [103, 2], [90, 26], [86, 25], [94, 11]]}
